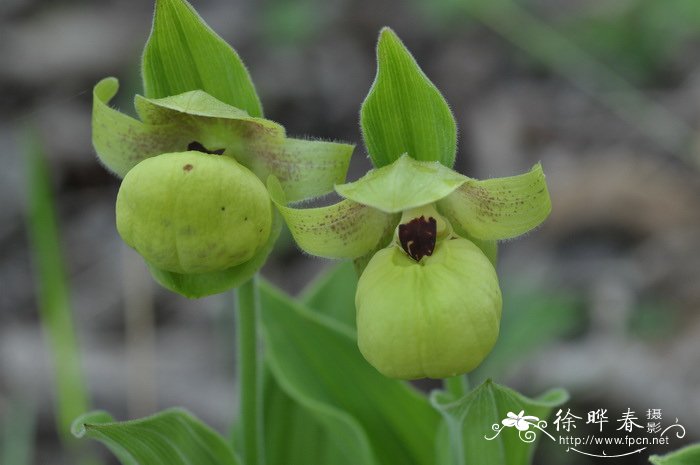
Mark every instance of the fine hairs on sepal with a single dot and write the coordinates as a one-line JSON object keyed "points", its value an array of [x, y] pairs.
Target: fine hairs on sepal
{"points": [[207, 185], [193, 202], [422, 236]]}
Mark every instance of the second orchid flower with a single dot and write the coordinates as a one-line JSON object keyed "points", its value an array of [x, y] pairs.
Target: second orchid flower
{"points": [[422, 235]]}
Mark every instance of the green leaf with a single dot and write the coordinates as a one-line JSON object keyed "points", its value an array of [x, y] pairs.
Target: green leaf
{"points": [[198, 285], [470, 420], [687, 456], [316, 361], [293, 433], [171, 437], [333, 293], [405, 184], [308, 433], [499, 208], [404, 112], [184, 54], [344, 230]]}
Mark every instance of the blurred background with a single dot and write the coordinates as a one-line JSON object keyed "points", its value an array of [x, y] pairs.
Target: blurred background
{"points": [[603, 300]]}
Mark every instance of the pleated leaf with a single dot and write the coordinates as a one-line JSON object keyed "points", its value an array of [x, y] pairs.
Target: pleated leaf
{"points": [[295, 434], [171, 437], [471, 420], [404, 112], [183, 53]]}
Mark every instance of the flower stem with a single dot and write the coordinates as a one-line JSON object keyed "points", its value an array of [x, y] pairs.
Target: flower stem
{"points": [[250, 399], [458, 386]]}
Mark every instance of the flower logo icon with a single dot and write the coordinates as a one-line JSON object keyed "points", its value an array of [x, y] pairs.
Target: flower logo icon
{"points": [[521, 421]]}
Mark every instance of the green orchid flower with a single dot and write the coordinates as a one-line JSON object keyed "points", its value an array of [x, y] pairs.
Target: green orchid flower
{"points": [[192, 202], [423, 236], [428, 301]]}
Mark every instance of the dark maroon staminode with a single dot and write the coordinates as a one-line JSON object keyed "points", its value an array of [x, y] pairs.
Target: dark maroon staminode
{"points": [[194, 145], [418, 236]]}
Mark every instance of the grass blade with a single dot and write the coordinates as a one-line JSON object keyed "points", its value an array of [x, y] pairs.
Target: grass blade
{"points": [[52, 291]]}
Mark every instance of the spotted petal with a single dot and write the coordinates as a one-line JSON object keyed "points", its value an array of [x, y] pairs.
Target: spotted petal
{"points": [[345, 230], [305, 168], [121, 141], [499, 208]]}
